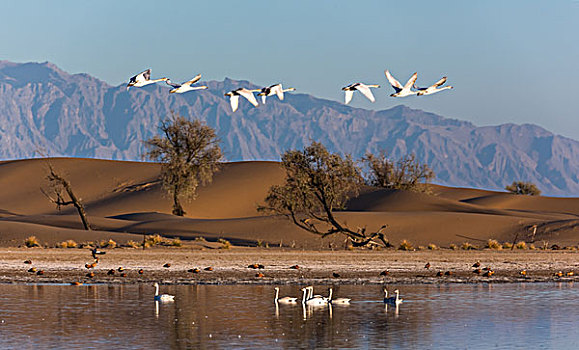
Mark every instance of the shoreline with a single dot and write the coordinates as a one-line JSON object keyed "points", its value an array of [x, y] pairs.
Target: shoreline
{"points": [[66, 266]]}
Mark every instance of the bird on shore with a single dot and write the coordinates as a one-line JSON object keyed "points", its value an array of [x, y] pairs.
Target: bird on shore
{"points": [[186, 86], [439, 274], [477, 271], [401, 91], [476, 264], [142, 79], [284, 300], [448, 273], [167, 265], [384, 273], [28, 261], [121, 269], [40, 272], [523, 273], [162, 297], [295, 267], [94, 252], [275, 89], [363, 88], [141, 271], [432, 88], [110, 272], [208, 268], [32, 269], [489, 273], [246, 93], [335, 275], [427, 266], [195, 270]]}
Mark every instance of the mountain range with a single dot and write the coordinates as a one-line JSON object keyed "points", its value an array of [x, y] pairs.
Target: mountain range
{"points": [[43, 108]]}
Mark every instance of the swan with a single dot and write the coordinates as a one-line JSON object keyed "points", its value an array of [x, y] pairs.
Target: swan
{"points": [[284, 300], [315, 301], [401, 91], [392, 300], [248, 94], [142, 79], [276, 89], [342, 301], [432, 88], [162, 297], [186, 86], [363, 88]]}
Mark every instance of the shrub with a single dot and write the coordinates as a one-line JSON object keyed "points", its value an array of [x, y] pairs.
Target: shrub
{"points": [[132, 244], [405, 174], [176, 242], [153, 240], [453, 247], [494, 244], [108, 244], [405, 245], [421, 247], [200, 239], [225, 244], [532, 247], [524, 188], [432, 246], [67, 244], [468, 246], [31, 242], [522, 245], [507, 245]]}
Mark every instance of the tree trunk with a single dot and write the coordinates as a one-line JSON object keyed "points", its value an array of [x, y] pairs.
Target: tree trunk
{"points": [[177, 208], [75, 201]]}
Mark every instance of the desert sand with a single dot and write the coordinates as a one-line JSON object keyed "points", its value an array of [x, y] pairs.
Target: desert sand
{"points": [[124, 200]]}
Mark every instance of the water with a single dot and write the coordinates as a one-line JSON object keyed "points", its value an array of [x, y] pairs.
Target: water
{"points": [[478, 316]]}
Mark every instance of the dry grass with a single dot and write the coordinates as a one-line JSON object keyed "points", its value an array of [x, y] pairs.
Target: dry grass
{"points": [[433, 246], [494, 244], [507, 245], [468, 246], [132, 244], [405, 245], [522, 245], [225, 244], [453, 247], [109, 244], [67, 244], [31, 242]]}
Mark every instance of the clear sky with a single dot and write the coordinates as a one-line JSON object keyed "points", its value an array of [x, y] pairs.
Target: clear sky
{"points": [[509, 61]]}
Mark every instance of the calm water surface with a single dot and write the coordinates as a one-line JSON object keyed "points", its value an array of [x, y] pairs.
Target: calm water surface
{"points": [[442, 317]]}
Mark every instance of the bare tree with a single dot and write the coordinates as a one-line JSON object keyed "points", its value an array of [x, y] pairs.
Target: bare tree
{"points": [[318, 183], [405, 174], [189, 154], [61, 189], [525, 188]]}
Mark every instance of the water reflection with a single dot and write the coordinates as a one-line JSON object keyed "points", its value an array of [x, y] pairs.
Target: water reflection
{"points": [[442, 316]]}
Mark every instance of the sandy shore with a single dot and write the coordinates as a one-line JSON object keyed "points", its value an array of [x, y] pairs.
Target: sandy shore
{"points": [[231, 266]]}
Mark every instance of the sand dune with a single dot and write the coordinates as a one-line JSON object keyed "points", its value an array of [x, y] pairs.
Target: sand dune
{"points": [[124, 200]]}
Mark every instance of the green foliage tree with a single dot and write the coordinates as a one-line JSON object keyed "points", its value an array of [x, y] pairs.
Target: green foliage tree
{"points": [[317, 183], [189, 154], [525, 188], [405, 174]]}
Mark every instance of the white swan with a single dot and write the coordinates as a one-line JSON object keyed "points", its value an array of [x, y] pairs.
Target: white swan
{"points": [[276, 89], [162, 297], [392, 300], [186, 86], [315, 301], [402, 91], [363, 88], [432, 88], [248, 94], [284, 300], [142, 79], [341, 301]]}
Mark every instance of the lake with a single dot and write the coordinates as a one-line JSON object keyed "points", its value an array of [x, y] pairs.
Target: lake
{"points": [[448, 316]]}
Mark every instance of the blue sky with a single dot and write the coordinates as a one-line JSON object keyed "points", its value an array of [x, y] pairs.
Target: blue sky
{"points": [[510, 61]]}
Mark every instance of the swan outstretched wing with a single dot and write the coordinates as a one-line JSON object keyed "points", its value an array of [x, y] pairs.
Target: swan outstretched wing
{"points": [[349, 94], [234, 101], [146, 75], [440, 82], [193, 81], [263, 97], [176, 86], [365, 90], [249, 96], [411, 81], [395, 84], [278, 91]]}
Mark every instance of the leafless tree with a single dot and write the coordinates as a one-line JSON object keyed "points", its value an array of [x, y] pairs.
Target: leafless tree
{"points": [[63, 195], [318, 183], [189, 154]]}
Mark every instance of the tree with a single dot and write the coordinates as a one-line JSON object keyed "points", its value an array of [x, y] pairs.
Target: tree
{"points": [[526, 188], [189, 154], [405, 174], [62, 189], [318, 183]]}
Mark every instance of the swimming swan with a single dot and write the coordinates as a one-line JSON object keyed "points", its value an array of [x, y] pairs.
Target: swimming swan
{"points": [[162, 297], [342, 301], [284, 300], [392, 300]]}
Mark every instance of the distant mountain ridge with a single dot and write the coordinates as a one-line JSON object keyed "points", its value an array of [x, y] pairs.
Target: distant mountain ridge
{"points": [[43, 107]]}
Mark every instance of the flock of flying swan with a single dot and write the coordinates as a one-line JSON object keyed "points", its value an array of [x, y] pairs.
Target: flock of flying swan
{"points": [[409, 89]]}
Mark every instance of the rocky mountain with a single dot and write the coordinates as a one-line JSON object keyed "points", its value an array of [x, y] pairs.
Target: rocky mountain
{"points": [[45, 108]]}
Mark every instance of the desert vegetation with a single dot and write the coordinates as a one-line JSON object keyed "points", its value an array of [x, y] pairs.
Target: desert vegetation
{"points": [[406, 173], [189, 154], [523, 188]]}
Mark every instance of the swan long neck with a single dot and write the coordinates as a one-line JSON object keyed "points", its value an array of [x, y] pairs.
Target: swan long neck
{"points": [[303, 296], [385, 294], [157, 80], [330, 294], [397, 293], [288, 89], [276, 294], [156, 290]]}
